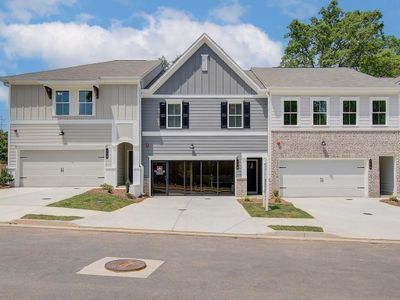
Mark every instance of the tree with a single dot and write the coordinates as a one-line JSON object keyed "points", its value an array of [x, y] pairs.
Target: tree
{"points": [[3, 145], [343, 39]]}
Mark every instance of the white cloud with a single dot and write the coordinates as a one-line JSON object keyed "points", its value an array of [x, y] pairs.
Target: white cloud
{"points": [[3, 93], [25, 10], [84, 18], [300, 9], [230, 12], [167, 32]]}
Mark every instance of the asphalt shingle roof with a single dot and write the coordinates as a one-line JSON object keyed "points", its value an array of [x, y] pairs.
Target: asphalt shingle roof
{"points": [[93, 71]]}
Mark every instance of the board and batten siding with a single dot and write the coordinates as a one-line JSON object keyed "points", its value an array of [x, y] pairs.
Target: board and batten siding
{"points": [[334, 111], [220, 79], [116, 101], [48, 134], [205, 115], [203, 145]]}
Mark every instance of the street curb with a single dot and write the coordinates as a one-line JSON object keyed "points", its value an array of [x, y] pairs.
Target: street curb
{"points": [[300, 236]]}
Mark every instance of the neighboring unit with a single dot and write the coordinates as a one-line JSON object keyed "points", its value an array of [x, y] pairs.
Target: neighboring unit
{"points": [[205, 126]]}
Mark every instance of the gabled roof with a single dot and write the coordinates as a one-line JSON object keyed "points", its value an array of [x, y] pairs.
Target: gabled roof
{"points": [[115, 68], [319, 78], [204, 39]]}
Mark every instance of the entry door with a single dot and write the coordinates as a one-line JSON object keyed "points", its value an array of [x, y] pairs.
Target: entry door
{"points": [[159, 178], [130, 166], [252, 176]]}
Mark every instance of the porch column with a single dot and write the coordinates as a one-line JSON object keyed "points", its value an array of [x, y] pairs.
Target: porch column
{"points": [[136, 185]]}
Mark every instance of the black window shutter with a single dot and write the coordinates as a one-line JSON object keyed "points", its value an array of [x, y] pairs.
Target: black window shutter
{"points": [[185, 114], [163, 113], [246, 116], [224, 114]]}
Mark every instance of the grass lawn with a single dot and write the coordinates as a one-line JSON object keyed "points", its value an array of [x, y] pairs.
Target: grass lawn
{"points": [[297, 228], [50, 217], [93, 201], [276, 210]]}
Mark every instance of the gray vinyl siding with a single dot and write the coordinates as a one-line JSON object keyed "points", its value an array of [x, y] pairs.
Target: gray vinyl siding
{"points": [[151, 76], [334, 111], [220, 79], [205, 115], [204, 145], [48, 134], [30, 102]]}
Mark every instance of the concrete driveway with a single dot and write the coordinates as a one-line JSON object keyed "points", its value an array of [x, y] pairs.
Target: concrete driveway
{"points": [[183, 213], [353, 217], [17, 202]]}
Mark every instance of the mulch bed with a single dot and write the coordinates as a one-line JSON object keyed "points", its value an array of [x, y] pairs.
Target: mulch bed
{"points": [[259, 200], [120, 193], [390, 202], [5, 187]]}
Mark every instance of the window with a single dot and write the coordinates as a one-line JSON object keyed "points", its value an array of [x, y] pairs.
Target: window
{"points": [[85, 103], [235, 115], [379, 112], [174, 115], [349, 112], [320, 109], [290, 112], [62, 103]]}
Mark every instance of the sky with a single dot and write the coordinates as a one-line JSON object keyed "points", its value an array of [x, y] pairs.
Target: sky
{"points": [[38, 35]]}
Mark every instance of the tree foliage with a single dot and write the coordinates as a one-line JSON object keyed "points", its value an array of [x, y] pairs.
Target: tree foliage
{"points": [[343, 39], [3, 145]]}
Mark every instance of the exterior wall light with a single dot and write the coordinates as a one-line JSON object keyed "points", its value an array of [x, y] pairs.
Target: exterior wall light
{"points": [[370, 164], [61, 132], [323, 143], [191, 147]]}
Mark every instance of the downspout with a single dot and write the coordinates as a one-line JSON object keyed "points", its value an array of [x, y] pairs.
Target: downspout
{"points": [[269, 141]]}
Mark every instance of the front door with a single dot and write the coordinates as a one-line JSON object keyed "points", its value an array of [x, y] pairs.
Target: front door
{"points": [[159, 178], [252, 176], [130, 166]]}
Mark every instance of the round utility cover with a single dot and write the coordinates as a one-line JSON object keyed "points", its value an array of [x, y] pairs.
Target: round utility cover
{"points": [[125, 265]]}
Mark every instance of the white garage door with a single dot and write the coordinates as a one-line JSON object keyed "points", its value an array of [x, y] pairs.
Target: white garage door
{"points": [[62, 168], [322, 178]]}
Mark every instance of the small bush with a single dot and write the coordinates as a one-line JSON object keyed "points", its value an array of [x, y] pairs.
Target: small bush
{"points": [[127, 185], [394, 198], [130, 196], [276, 196], [246, 198], [5, 177], [107, 187]]}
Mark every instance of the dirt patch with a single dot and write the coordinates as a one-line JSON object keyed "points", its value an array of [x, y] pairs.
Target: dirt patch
{"points": [[120, 193], [5, 187], [391, 202]]}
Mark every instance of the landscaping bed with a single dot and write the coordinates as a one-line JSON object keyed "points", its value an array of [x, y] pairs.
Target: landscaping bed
{"points": [[277, 209], [50, 217], [98, 199], [391, 201], [296, 228]]}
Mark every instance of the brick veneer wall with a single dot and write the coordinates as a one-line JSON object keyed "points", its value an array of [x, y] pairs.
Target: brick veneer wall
{"points": [[339, 144], [241, 187]]}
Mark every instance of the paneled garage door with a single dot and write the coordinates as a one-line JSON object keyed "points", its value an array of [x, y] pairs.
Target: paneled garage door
{"points": [[322, 178], [62, 168]]}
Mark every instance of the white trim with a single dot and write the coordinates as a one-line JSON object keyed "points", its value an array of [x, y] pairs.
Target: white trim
{"points": [[326, 99], [164, 96], [73, 101], [61, 121], [204, 39], [356, 91], [228, 113], [333, 129], [176, 101], [283, 100], [9, 126], [60, 147], [93, 102], [357, 100], [371, 100], [204, 133], [55, 102]]}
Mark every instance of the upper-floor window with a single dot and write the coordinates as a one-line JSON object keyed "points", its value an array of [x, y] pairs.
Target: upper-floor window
{"points": [[85, 103], [235, 115], [290, 112], [379, 111], [62, 103], [174, 114], [349, 111], [320, 112]]}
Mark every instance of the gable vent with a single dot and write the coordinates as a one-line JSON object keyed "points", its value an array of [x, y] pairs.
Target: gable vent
{"points": [[204, 62]]}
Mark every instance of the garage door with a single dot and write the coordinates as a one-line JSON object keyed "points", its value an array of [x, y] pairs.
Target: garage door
{"points": [[62, 168], [322, 178]]}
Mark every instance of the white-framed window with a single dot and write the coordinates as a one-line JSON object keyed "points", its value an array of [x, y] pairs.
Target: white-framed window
{"points": [[174, 114], [235, 114], [320, 112], [290, 111], [349, 109], [379, 110], [85, 102], [62, 103]]}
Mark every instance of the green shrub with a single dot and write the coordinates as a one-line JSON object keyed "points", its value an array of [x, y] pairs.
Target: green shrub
{"points": [[127, 185], [276, 196], [107, 187], [5, 177], [394, 198], [246, 198]]}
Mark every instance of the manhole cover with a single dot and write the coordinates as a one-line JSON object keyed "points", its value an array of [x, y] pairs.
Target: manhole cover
{"points": [[349, 199], [46, 198], [367, 214], [207, 198], [182, 209], [77, 188], [125, 265]]}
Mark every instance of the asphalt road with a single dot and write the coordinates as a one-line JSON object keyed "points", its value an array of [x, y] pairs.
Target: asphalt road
{"points": [[42, 264]]}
